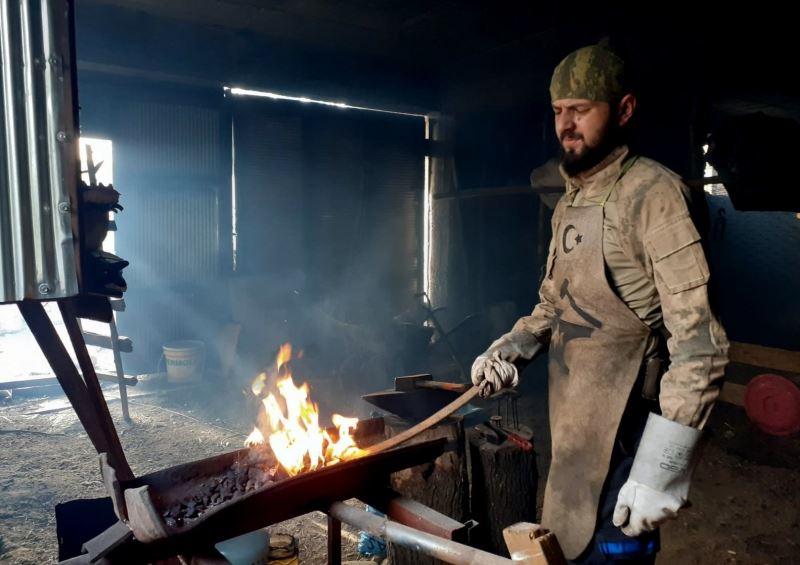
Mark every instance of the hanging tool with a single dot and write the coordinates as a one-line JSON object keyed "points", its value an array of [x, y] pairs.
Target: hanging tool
{"points": [[496, 424]]}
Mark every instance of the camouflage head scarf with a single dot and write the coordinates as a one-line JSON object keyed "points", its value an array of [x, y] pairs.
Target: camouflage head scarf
{"points": [[591, 73]]}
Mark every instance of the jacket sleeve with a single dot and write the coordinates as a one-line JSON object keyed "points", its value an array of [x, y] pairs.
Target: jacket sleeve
{"points": [[697, 343], [539, 322]]}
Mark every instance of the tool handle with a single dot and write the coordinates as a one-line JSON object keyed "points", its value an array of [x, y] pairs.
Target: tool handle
{"points": [[427, 423]]}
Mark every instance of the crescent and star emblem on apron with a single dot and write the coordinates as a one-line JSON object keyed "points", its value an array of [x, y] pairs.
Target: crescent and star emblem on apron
{"points": [[570, 238]]}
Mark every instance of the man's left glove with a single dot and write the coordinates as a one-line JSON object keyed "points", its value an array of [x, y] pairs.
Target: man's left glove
{"points": [[658, 485], [498, 364]]}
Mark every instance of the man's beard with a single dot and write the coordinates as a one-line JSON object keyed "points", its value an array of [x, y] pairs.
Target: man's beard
{"points": [[575, 164]]}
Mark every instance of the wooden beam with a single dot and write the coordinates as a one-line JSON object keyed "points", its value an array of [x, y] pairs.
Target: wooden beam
{"points": [[125, 343], [499, 191], [130, 380], [29, 383], [73, 384], [733, 393], [767, 357], [95, 393], [700, 183]]}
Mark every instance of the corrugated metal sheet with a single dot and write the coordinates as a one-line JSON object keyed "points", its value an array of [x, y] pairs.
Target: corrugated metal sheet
{"points": [[176, 240], [270, 198], [172, 139], [38, 152], [168, 165], [396, 177]]}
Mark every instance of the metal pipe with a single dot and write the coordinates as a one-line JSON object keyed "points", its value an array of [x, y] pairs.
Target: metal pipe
{"points": [[440, 548]]}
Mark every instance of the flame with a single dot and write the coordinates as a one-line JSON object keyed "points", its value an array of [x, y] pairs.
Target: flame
{"points": [[284, 355], [258, 384], [296, 438], [255, 438], [346, 447]]}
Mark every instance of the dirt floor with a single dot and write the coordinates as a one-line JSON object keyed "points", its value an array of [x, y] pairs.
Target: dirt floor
{"points": [[48, 459], [745, 496]]}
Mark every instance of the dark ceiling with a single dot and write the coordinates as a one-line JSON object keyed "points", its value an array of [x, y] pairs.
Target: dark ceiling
{"points": [[741, 57], [410, 31]]}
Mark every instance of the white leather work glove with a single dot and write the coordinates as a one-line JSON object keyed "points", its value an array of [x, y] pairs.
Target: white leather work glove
{"points": [[658, 485], [497, 365]]}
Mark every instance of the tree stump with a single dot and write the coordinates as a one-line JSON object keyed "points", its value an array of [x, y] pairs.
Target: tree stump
{"points": [[504, 482], [442, 484]]}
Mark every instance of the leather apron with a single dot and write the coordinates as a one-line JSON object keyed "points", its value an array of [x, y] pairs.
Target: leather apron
{"points": [[596, 352]]}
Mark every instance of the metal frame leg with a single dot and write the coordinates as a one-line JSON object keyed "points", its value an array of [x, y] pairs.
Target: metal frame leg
{"points": [[334, 541]]}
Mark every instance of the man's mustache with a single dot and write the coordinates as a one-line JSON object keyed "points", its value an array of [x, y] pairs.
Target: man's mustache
{"points": [[571, 135]]}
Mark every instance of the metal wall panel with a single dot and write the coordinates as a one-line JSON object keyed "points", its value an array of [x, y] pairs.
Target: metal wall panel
{"points": [[168, 162], [38, 152], [176, 240]]}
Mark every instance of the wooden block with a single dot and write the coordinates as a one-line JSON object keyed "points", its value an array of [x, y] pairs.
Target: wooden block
{"points": [[442, 484], [504, 483], [530, 544]]}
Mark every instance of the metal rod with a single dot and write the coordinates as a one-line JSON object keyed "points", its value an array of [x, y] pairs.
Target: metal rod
{"points": [[440, 548], [334, 541]]}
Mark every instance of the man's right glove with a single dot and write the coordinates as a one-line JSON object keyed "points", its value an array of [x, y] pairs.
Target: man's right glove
{"points": [[498, 364]]}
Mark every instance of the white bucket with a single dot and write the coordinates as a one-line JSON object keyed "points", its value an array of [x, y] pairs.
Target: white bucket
{"points": [[185, 360]]}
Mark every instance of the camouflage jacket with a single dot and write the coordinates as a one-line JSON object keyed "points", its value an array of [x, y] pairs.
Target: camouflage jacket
{"points": [[657, 266]]}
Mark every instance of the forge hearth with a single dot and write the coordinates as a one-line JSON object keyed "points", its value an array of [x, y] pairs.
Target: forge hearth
{"points": [[255, 472], [200, 503]]}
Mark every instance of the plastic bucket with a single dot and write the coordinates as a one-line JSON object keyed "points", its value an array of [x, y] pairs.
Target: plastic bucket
{"points": [[247, 549], [185, 360]]}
